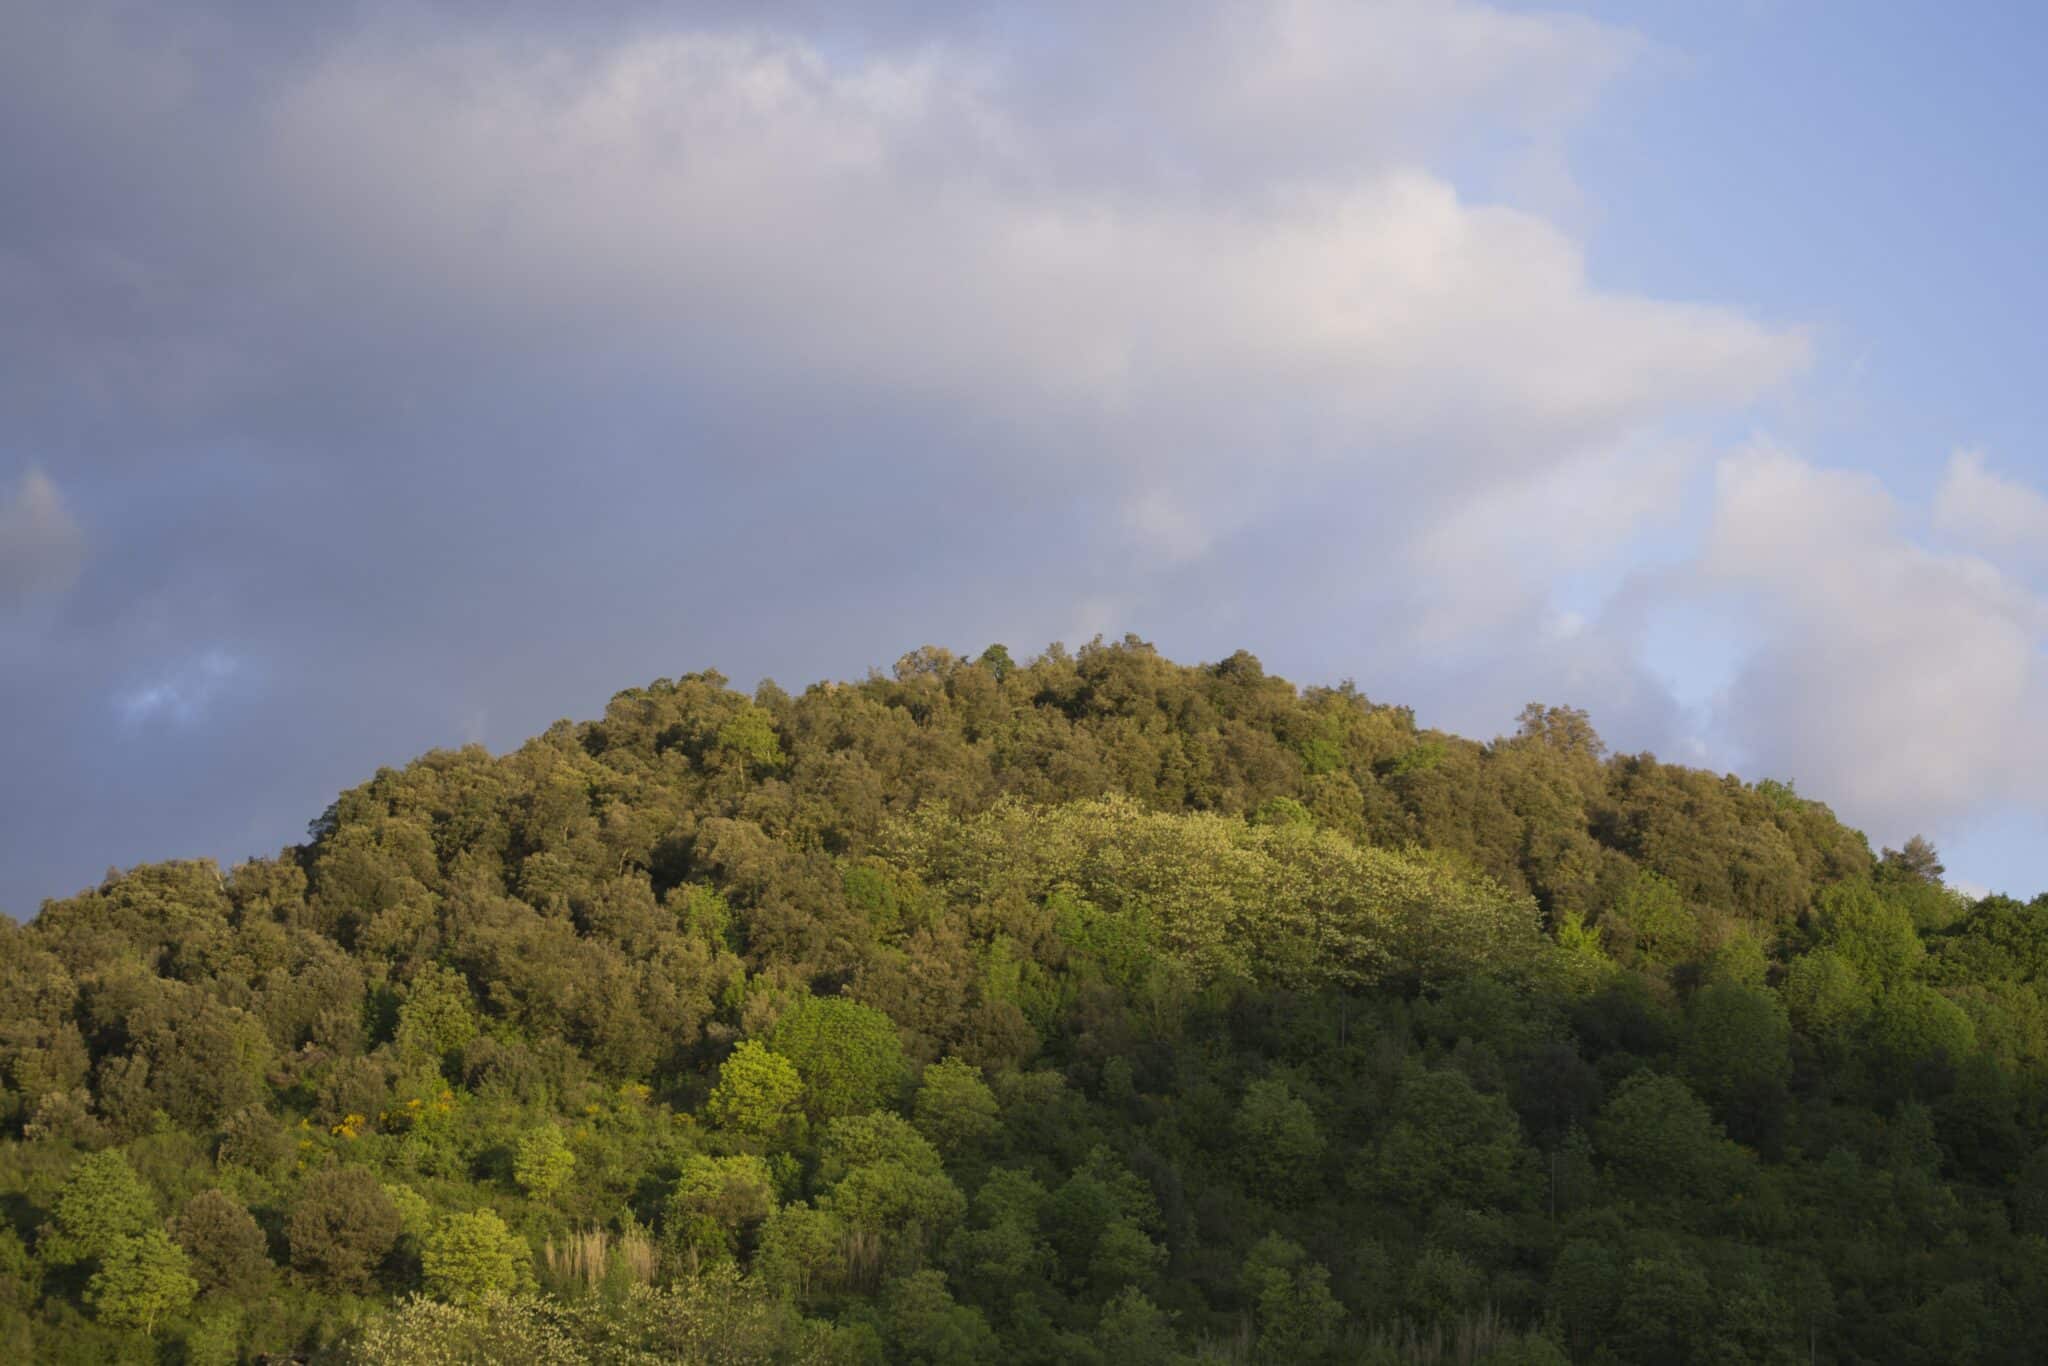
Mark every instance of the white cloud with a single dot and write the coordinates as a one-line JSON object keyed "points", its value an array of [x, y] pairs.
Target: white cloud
{"points": [[1996, 516], [184, 693], [920, 229], [41, 547], [1904, 685]]}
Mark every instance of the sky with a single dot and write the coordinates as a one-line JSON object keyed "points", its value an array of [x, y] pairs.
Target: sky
{"points": [[380, 376]]}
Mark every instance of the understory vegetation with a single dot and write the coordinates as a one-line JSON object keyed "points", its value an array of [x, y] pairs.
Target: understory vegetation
{"points": [[1087, 1009]]}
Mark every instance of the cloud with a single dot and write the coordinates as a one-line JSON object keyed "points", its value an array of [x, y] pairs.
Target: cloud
{"points": [[41, 547], [1905, 685], [1993, 515], [921, 239], [461, 366], [184, 693]]}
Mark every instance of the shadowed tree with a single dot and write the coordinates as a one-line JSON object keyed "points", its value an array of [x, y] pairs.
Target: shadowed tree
{"points": [[228, 1250], [341, 1228]]}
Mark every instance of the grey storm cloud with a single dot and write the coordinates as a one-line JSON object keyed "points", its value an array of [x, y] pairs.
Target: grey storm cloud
{"points": [[427, 372]]}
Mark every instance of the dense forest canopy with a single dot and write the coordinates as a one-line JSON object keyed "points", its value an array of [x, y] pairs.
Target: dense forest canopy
{"points": [[1088, 1009]]}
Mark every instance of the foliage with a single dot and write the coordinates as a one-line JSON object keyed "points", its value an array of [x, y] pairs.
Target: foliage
{"points": [[229, 1253], [469, 1258], [846, 1054], [341, 1227], [757, 1092], [102, 1204], [954, 1107], [140, 1280], [1078, 1008], [542, 1161]]}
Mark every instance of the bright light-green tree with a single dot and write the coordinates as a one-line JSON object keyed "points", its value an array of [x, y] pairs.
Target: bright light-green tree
{"points": [[141, 1279], [757, 1092], [101, 1203], [847, 1054], [542, 1161], [470, 1258]]}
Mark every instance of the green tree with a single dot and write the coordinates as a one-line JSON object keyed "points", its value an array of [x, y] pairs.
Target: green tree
{"points": [[1584, 1284], [1657, 1133], [716, 1200], [1651, 917], [1296, 1315], [757, 1092], [1449, 1141], [925, 1324], [1279, 1143], [1738, 1052], [1663, 1310], [1826, 996], [848, 1055], [1874, 935], [1913, 1023], [341, 1228], [954, 1107], [141, 1279], [801, 1249], [1443, 1286], [1133, 1331], [542, 1161], [748, 741], [228, 1250], [469, 1258], [100, 1204], [438, 1016]]}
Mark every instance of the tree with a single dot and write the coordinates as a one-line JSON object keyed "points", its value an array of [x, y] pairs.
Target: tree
{"points": [[1663, 1310], [469, 1258], [996, 659], [1584, 1282], [847, 1054], [757, 1092], [716, 1200], [1826, 996], [140, 1280], [1568, 729], [100, 1204], [1450, 1142], [1124, 1255], [908, 1205], [342, 1227], [748, 740], [924, 1324], [1296, 1315], [954, 1107], [1443, 1286], [228, 1250], [1651, 915], [438, 1016], [1875, 935], [1913, 1023], [1279, 1143], [1918, 861], [1133, 1331], [1656, 1132], [542, 1161], [801, 1248], [1737, 1051]]}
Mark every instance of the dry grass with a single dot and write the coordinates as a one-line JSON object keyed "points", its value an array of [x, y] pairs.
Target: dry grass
{"points": [[593, 1258]]}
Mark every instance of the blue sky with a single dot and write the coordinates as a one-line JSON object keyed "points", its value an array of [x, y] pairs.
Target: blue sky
{"points": [[415, 374]]}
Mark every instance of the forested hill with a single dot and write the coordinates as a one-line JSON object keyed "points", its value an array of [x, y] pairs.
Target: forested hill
{"points": [[1090, 1009]]}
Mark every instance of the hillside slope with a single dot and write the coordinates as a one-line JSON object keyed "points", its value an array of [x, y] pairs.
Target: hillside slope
{"points": [[1090, 1009]]}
